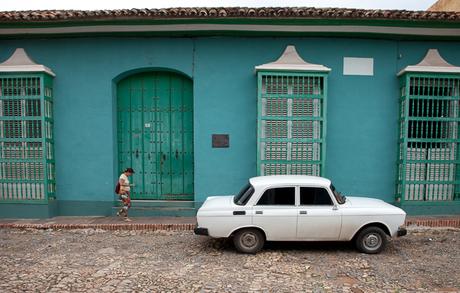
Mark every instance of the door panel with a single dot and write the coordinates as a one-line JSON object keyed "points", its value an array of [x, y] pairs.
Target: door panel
{"points": [[276, 213], [319, 223], [155, 134], [136, 132], [318, 218], [164, 132], [149, 134], [278, 222], [177, 160]]}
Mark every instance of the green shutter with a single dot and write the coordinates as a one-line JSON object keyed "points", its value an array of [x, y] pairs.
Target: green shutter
{"points": [[291, 123], [27, 166], [429, 138]]}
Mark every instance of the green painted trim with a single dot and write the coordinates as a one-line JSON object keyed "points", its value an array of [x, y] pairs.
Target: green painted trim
{"points": [[291, 162], [291, 118], [20, 74], [290, 140], [237, 33], [427, 209], [430, 75], [323, 155], [235, 20], [432, 203], [285, 96], [28, 211], [259, 115], [85, 208], [24, 201]]}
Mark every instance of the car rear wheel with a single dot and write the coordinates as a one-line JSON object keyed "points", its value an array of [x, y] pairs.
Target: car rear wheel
{"points": [[371, 240], [248, 240]]}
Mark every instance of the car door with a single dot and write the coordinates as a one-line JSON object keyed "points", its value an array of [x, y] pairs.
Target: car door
{"points": [[318, 216], [275, 212]]}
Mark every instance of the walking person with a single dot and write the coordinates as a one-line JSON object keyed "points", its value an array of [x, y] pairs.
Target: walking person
{"points": [[125, 196]]}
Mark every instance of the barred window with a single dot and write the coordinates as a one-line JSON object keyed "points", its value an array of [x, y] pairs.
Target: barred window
{"points": [[429, 138], [291, 123], [26, 155]]}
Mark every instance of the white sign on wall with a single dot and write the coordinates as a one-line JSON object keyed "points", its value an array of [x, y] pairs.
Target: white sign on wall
{"points": [[358, 66]]}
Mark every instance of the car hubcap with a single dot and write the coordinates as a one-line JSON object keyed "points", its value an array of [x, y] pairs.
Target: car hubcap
{"points": [[249, 240], [372, 241]]}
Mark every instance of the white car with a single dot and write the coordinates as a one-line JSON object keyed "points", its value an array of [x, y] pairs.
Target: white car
{"points": [[298, 208]]}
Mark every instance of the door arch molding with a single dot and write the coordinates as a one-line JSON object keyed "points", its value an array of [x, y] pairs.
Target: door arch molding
{"points": [[135, 71]]}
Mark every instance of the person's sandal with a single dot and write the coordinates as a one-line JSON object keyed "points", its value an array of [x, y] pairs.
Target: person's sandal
{"points": [[128, 220]]}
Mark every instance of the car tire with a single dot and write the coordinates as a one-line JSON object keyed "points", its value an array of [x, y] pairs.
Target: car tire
{"points": [[371, 240], [248, 240]]}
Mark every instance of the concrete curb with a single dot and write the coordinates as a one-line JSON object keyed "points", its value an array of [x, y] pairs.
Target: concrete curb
{"points": [[423, 222]]}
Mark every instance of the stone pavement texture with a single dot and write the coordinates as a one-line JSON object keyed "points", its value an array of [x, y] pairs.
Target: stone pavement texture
{"points": [[94, 260], [106, 223], [169, 223]]}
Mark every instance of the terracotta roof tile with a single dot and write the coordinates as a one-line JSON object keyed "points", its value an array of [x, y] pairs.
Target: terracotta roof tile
{"points": [[220, 12]]}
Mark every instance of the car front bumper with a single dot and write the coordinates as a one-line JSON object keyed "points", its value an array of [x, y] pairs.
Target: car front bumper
{"points": [[401, 232], [201, 231]]}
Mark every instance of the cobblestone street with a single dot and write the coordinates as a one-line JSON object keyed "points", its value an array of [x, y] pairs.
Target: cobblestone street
{"points": [[427, 260]]}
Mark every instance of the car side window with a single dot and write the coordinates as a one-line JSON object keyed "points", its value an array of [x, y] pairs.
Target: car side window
{"points": [[278, 196], [314, 196]]}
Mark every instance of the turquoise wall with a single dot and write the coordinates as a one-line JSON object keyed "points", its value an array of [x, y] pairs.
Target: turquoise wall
{"points": [[362, 110]]}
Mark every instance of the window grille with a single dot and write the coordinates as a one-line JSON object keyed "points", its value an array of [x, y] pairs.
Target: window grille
{"points": [[429, 138], [27, 170], [291, 123]]}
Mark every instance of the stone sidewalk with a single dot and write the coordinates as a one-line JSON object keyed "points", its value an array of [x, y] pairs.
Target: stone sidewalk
{"points": [[105, 223], [169, 223]]}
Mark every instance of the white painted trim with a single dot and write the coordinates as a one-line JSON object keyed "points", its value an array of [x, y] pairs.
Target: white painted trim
{"points": [[432, 62], [293, 67], [291, 61], [415, 31], [414, 68], [27, 68], [19, 61]]}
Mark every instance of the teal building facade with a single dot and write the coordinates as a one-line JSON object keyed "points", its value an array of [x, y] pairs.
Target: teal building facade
{"points": [[198, 103]]}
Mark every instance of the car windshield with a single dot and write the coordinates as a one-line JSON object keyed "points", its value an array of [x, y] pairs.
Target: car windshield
{"points": [[338, 196], [244, 195]]}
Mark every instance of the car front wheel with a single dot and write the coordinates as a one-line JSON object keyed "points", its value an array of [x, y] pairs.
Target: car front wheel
{"points": [[248, 240], [371, 240]]}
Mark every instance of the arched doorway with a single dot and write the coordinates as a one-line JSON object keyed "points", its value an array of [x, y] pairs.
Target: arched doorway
{"points": [[155, 134]]}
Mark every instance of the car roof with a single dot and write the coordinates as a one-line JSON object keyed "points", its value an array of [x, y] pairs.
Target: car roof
{"points": [[289, 179]]}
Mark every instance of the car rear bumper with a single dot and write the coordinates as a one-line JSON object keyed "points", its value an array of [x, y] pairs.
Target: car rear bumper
{"points": [[401, 232], [201, 231]]}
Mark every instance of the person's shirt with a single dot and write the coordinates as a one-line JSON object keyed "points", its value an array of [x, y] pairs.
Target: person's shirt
{"points": [[124, 183]]}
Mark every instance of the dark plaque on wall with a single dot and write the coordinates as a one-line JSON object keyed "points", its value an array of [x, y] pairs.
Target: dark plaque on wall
{"points": [[220, 141]]}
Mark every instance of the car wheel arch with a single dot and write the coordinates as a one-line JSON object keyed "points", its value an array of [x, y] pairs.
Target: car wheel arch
{"points": [[248, 227], [372, 224]]}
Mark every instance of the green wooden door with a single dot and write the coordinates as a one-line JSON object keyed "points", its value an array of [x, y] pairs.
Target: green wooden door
{"points": [[155, 134]]}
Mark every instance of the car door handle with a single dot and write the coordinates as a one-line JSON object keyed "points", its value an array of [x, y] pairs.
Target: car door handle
{"points": [[239, 213], [259, 212], [303, 212]]}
